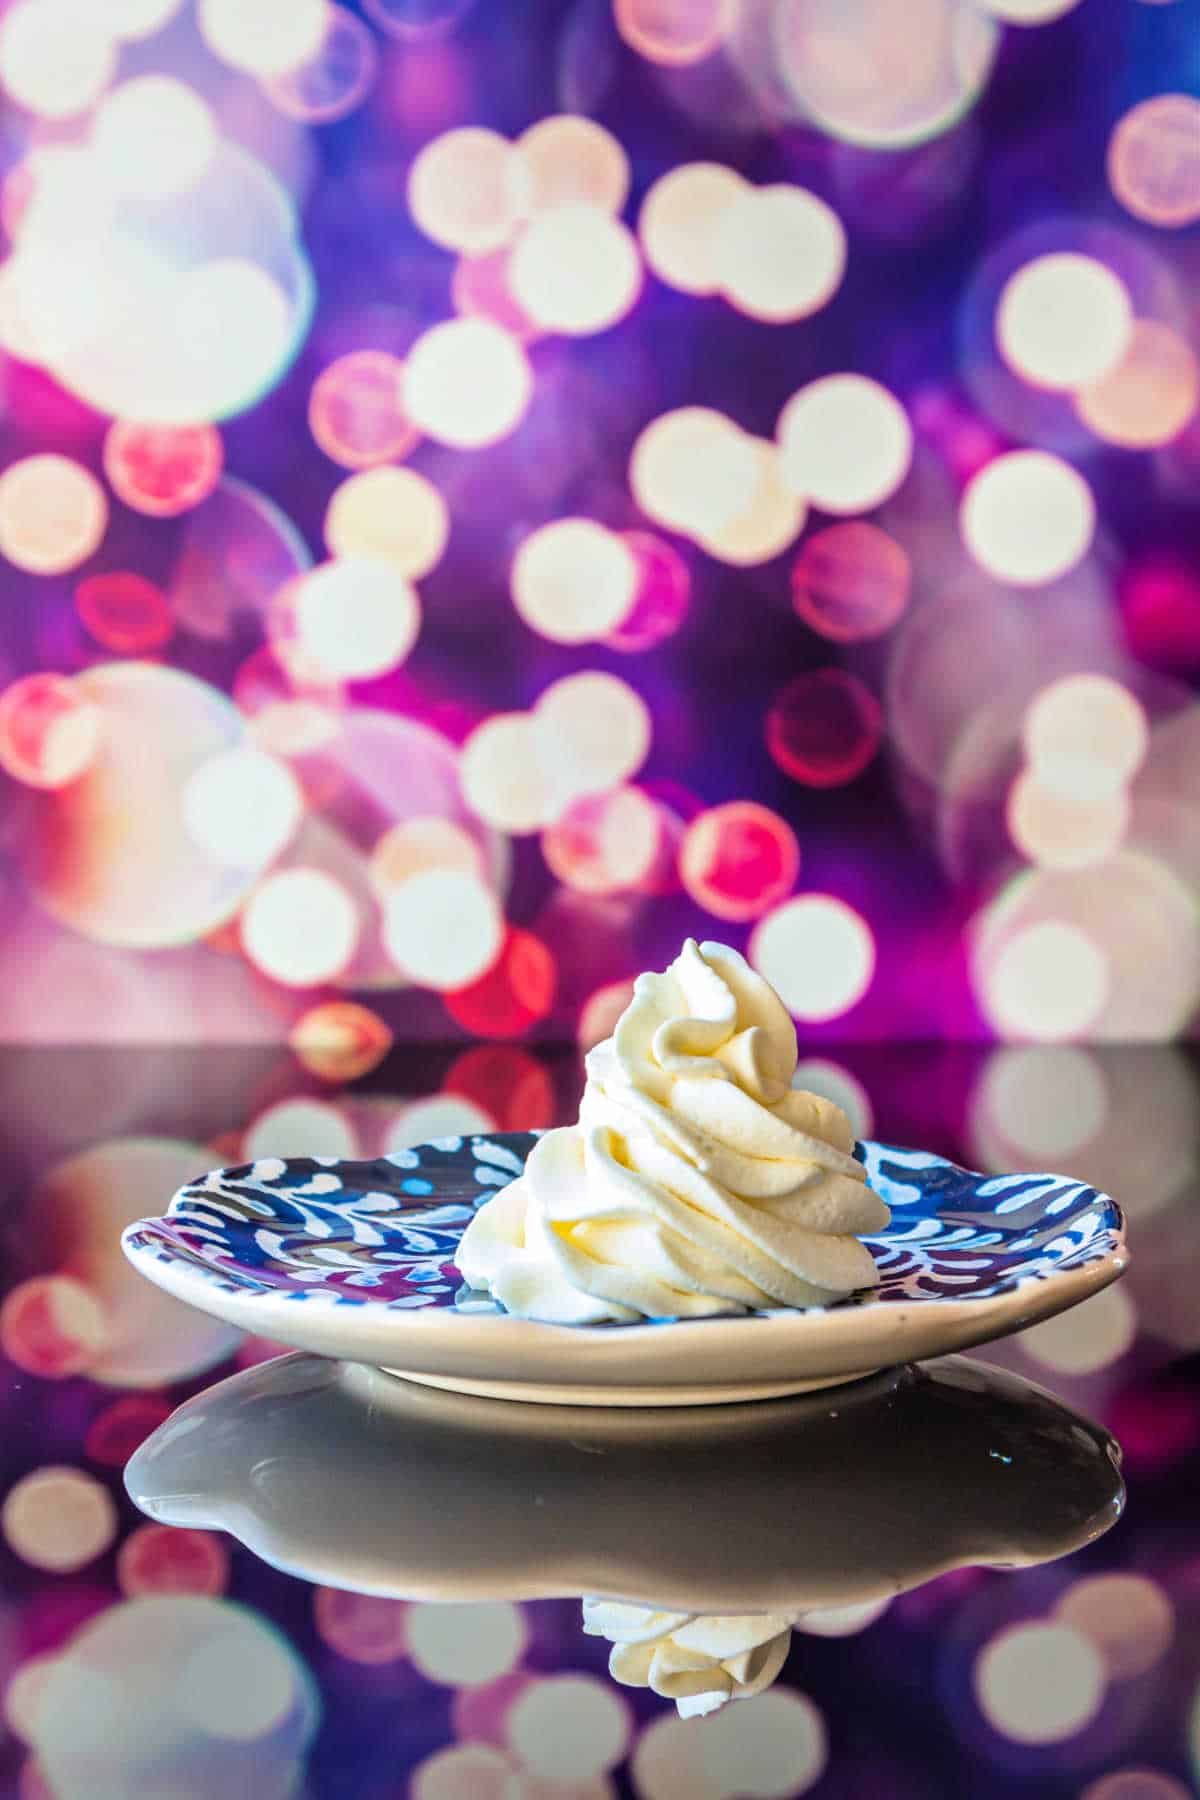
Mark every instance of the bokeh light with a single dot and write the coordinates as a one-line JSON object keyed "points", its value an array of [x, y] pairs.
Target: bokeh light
{"points": [[604, 842], [416, 19], [1101, 1330], [52, 1326], [569, 160], [819, 1075], [662, 597], [164, 1559], [339, 1040], [673, 32], [771, 522], [508, 776], [300, 927], [1135, 1784], [353, 617], [466, 190], [824, 728], [125, 612], [595, 731], [1059, 830], [58, 1519], [479, 288], [773, 1745], [779, 252], [420, 843], [134, 19], [1049, 980], [1085, 736], [116, 1432], [54, 59], [1039, 1683], [510, 1087], [465, 1645], [356, 410], [1149, 396], [1063, 320], [391, 515], [465, 1772], [161, 469], [336, 78], [871, 75], [467, 383], [364, 1628], [153, 136], [851, 581], [818, 953], [575, 269], [569, 1727], [242, 807], [1128, 1617], [442, 928], [573, 581], [1154, 160], [845, 443], [1027, 517], [49, 731], [739, 859], [694, 470], [1029, 12], [300, 1127], [264, 37], [53, 514], [680, 224], [599, 1014], [517, 992]]}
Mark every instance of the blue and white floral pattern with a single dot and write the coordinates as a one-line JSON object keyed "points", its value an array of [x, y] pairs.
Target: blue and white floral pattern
{"points": [[384, 1233]]}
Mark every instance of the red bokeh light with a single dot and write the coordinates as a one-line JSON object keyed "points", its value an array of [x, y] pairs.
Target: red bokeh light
{"points": [[1160, 606], [125, 612], [739, 860], [165, 1559], [664, 592], [162, 470], [508, 1084], [851, 581], [356, 410], [52, 1326], [516, 992], [824, 728], [115, 1434], [364, 1628], [340, 1040], [48, 731], [479, 289]]}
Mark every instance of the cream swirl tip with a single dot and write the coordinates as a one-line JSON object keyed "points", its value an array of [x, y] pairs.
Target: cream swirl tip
{"points": [[697, 1181]]}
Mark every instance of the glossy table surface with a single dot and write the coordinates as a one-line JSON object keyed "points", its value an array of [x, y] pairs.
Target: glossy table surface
{"points": [[409, 1618]]}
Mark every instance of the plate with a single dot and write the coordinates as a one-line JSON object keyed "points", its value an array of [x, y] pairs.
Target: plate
{"points": [[455, 1498], [354, 1260]]}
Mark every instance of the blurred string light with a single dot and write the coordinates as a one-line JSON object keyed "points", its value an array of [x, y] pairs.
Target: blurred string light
{"points": [[573, 581], [262, 37], [391, 515], [1039, 1682], [163, 1559], [162, 470], [833, 1081], [575, 269], [818, 953], [350, 618], [300, 1127], [851, 582], [845, 443], [596, 730], [515, 993], [242, 807], [479, 289], [58, 1519], [673, 32], [52, 1326], [662, 597], [50, 731], [335, 78], [364, 1628], [1027, 517], [771, 522], [824, 728], [1063, 320], [300, 927], [415, 19], [570, 160], [569, 1728], [507, 778], [680, 220], [55, 59], [738, 860], [136, 19], [603, 843], [778, 1740], [356, 410], [1029, 12], [53, 514], [418, 844], [1086, 735], [1128, 1617], [467, 190], [467, 383], [1064, 831], [465, 1645], [694, 471], [1154, 160], [1104, 1328], [153, 136], [443, 928]]}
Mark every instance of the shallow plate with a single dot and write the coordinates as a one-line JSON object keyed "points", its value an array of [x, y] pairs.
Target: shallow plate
{"points": [[460, 1499], [354, 1260]]}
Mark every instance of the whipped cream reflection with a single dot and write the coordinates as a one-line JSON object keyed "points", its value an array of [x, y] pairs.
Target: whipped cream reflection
{"points": [[697, 1181], [699, 1660]]}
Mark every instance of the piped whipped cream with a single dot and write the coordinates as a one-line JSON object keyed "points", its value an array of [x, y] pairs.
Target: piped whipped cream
{"points": [[697, 1181], [699, 1660]]}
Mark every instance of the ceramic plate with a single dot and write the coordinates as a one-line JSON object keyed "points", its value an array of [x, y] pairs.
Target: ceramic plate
{"points": [[354, 1260]]}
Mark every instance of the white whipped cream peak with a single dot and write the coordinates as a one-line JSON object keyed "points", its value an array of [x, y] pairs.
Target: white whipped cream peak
{"points": [[697, 1181], [699, 1660]]}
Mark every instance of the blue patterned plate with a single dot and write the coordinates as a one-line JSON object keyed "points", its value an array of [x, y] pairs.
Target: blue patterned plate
{"points": [[354, 1260]]}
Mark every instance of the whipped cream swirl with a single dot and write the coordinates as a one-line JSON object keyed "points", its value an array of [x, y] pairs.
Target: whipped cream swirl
{"points": [[697, 1181], [699, 1660]]}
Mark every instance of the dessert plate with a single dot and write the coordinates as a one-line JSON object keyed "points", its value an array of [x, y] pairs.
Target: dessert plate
{"points": [[456, 1498], [354, 1260]]}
